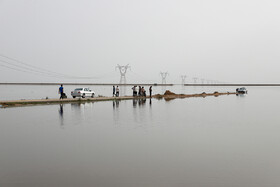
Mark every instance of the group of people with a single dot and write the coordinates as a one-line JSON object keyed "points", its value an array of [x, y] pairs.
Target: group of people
{"points": [[116, 91], [141, 91]]}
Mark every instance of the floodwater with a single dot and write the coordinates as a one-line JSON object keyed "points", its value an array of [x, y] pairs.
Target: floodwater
{"points": [[225, 141]]}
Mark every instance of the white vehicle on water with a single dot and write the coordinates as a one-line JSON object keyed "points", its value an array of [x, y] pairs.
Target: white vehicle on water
{"points": [[82, 92]]}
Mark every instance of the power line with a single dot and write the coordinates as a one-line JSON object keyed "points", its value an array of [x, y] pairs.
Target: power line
{"points": [[23, 69], [31, 68], [14, 68], [139, 76], [34, 67]]}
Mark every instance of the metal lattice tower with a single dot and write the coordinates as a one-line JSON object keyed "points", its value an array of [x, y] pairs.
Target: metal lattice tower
{"points": [[123, 70], [183, 77], [202, 81], [194, 80], [163, 77]]}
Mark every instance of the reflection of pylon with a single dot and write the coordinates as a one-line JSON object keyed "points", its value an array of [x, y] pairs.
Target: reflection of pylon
{"points": [[163, 77], [183, 77], [123, 70], [194, 80]]}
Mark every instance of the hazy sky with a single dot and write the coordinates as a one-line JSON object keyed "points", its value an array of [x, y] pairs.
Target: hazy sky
{"points": [[229, 41]]}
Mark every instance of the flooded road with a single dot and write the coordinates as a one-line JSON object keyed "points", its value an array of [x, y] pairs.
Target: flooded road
{"points": [[226, 141]]}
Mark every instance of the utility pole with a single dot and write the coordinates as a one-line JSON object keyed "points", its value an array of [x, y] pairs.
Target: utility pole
{"points": [[123, 70], [163, 77], [183, 77]]}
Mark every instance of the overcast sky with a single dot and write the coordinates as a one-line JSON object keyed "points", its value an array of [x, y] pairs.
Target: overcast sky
{"points": [[228, 41]]}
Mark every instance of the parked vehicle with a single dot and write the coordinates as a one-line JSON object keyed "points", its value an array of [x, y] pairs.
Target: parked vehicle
{"points": [[241, 90], [82, 92]]}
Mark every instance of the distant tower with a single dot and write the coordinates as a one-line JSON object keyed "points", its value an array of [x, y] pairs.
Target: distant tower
{"points": [[183, 77], [195, 80], [163, 77], [202, 81], [123, 70]]}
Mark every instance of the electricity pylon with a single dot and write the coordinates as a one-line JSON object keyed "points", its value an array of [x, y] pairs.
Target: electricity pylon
{"points": [[163, 77], [202, 81], [194, 80], [209, 82], [183, 77], [123, 70]]}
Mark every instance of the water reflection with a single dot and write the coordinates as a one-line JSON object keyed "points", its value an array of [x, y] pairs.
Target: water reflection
{"points": [[134, 103], [140, 102], [169, 99], [241, 95], [79, 110], [116, 104], [60, 111], [116, 112], [78, 106]]}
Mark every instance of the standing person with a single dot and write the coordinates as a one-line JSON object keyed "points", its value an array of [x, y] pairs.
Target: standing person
{"points": [[114, 91], [133, 88], [150, 90], [134, 91], [60, 91], [143, 91], [117, 91], [139, 91]]}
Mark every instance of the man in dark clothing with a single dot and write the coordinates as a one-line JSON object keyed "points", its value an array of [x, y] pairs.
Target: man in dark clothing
{"points": [[114, 91], [150, 89], [60, 91], [140, 91]]}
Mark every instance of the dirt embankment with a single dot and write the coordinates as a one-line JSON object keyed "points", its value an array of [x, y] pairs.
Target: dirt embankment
{"points": [[167, 92], [168, 95]]}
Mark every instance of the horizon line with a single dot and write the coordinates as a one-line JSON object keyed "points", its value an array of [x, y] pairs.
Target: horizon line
{"points": [[150, 84]]}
